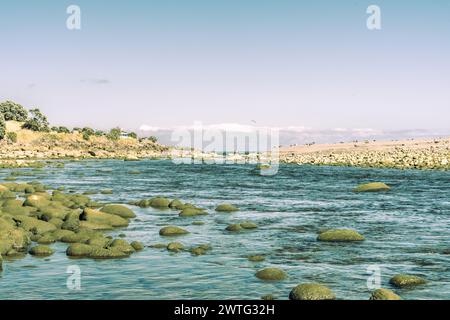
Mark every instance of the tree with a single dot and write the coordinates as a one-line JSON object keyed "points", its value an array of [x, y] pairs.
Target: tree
{"points": [[37, 122], [99, 133], [114, 134], [153, 139], [13, 111], [2, 127]]}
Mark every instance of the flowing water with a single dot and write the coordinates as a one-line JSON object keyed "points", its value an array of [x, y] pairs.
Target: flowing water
{"points": [[407, 230]]}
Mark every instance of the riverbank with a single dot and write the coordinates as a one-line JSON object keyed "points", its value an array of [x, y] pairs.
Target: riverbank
{"points": [[405, 154]]}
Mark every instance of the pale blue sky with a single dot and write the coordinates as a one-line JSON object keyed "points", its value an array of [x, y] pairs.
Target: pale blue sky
{"points": [[279, 63]]}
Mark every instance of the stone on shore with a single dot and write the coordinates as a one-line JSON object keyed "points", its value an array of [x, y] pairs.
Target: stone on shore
{"points": [[311, 291], [340, 235]]}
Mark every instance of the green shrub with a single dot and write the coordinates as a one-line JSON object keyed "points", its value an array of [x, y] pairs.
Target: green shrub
{"points": [[153, 139], [132, 135], [63, 130], [86, 135], [37, 122], [13, 111], [2, 127], [114, 134], [99, 133], [11, 137]]}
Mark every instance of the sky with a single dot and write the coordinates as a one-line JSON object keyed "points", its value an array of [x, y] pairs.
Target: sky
{"points": [[309, 65]]}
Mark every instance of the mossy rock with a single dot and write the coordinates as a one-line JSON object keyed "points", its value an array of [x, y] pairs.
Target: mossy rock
{"points": [[340, 235], [159, 246], [42, 251], [17, 211], [405, 280], [108, 253], [102, 218], [54, 210], [175, 204], [79, 250], [13, 239], [160, 203], [226, 207], [56, 222], [118, 210], [107, 191], [95, 226], [234, 227], [192, 212], [101, 242], [200, 250], [256, 258], [137, 245], [59, 234], [248, 225], [37, 201], [175, 246], [198, 223], [311, 291], [34, 225], [384, 294], [271, 274], [372, 187], [47, 238], [12, 202], [75, 238], [122, 245], [143, 203], [72, 224], [172, 231]]}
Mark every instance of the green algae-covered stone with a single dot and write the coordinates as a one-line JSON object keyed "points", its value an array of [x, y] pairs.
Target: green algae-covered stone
{"points": [[118, 210], [340, 235], [372, 187], [172, 231], [226, 207], [405, 280], [271, 274], [311, 291], [42, 251], [384, 294]]}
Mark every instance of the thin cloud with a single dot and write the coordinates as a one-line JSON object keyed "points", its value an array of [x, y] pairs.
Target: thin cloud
{"points": [[96, 81]]}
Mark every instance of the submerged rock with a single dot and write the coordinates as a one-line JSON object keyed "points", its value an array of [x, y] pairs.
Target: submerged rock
{"points": [[311, 291], [404, 280], [107, 253], [271, 274], [256, 258], [234, 227], [175, 204], [248, 225], [384, 294], [192, 212], [137, 245], [172, 231], [41, 251], [340, 235], [160, 203], [175, 246], [372, 187], [226, 207]]}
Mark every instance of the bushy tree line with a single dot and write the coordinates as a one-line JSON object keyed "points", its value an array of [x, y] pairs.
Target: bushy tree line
{"points": [[13, 111]]}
